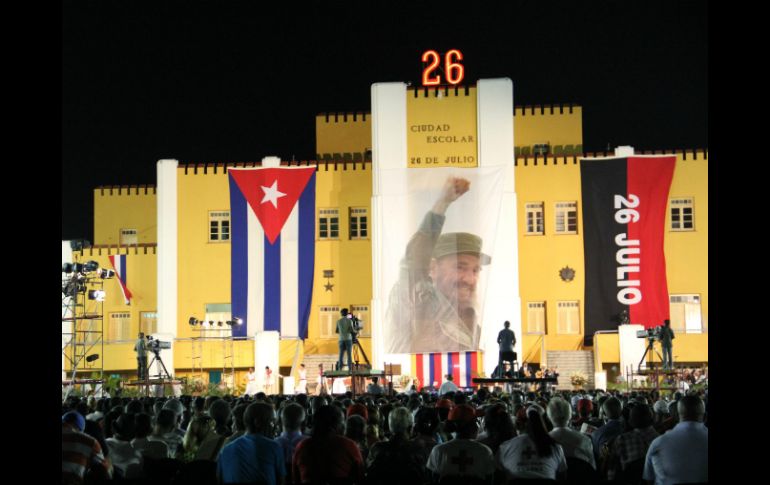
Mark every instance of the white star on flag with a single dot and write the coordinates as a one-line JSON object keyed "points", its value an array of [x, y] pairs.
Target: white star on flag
{"points": [[272, 194]]}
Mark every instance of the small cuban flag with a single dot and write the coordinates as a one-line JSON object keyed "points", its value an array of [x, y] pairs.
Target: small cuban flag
{"points": [[119, 265], [272, 211], [434, 367]]}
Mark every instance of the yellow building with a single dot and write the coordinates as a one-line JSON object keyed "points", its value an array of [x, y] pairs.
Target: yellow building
{"points": [[548, 145]]}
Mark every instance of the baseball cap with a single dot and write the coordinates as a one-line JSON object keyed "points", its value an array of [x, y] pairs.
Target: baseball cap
{"points": [[660, 407], [460, 243], [358, 409], [74, 418], [462, 413], [174, 405], [95, 416], [585, 404]]}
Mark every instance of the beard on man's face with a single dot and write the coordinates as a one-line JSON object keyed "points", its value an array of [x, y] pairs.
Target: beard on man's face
{"points": [[456, 276]]}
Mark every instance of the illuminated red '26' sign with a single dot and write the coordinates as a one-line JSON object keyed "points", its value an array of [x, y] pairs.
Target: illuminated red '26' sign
{"points": [[455, 72]]}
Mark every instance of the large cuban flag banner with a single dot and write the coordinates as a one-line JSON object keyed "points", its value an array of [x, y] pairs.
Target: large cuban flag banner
{"points": [[272, 211]]}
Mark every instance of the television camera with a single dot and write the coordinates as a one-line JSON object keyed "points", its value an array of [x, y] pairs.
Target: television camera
{"points": [[654, 333], [358, 326], [157, 345]]}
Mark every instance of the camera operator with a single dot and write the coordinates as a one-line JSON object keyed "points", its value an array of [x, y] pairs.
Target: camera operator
{"points": [[666, 336], [345, 330], [141, 356]]}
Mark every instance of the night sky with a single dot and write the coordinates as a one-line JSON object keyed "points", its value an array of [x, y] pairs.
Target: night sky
{"points": [[234, 82]]}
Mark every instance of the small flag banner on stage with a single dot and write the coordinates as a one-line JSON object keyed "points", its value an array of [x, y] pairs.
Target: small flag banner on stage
{"points": [[430, 368], [118, 263], [624, 220]]}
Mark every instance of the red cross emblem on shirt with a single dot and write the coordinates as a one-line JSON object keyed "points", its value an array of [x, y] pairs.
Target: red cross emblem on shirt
{"points": [[529, 453], [461, 460]]}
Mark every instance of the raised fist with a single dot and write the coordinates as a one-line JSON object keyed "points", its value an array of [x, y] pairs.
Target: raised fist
{"points": [[454, 187]]}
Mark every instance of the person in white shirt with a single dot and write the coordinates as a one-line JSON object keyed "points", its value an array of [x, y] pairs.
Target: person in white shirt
{"points": [[462, 456], [533, 454], [302, 387], [448, 386], [251, 382], [268, 380], [681, 455], [122, 455], [573, 443]]}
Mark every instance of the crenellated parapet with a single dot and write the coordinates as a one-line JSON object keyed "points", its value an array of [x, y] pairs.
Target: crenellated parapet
{"points": [[347, 161], [695, 154], [124, 190], [116, 249]]}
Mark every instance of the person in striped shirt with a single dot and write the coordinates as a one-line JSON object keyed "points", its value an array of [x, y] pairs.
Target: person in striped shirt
{"points": [[81, 454]]}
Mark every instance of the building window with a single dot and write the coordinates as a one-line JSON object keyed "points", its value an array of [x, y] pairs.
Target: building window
{"points": [[215, 320], [566, 218], [328, 321], [535, 218], [128, 237], [219, 226], [568, 317], [328, 224], [119, 327], [536, 317], [359, 223], [685, 314], [682, 214], [148, 322], [362, 313]]}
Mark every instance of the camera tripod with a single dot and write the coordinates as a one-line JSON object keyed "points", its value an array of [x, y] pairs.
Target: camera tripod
{"points": [[356, 349], [156, 357], [650, 350]]}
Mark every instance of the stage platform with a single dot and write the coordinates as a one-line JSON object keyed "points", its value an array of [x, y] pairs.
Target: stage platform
{"points": [[516, 380], [153, 382], [355, 372], [660, 372], [68, 382]]}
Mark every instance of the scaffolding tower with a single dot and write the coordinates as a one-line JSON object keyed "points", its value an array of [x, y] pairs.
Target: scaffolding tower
{"points": [[82, 331], [206, 331]]}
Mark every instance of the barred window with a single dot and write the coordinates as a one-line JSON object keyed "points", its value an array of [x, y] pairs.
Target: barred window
{"points": [[328, 223], [359, 223], [566, 217], [682, 216], [535, 219], [128, 237], [219, 226]]}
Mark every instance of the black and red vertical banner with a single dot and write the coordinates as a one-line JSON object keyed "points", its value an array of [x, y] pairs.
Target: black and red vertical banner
{"points": [[624, 218]]}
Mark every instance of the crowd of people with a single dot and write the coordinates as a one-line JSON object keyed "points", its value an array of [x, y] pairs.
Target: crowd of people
{"points": [[483, 437]]}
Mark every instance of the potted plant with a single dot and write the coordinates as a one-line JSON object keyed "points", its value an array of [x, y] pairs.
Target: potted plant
{"points": [[578, 380]]}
